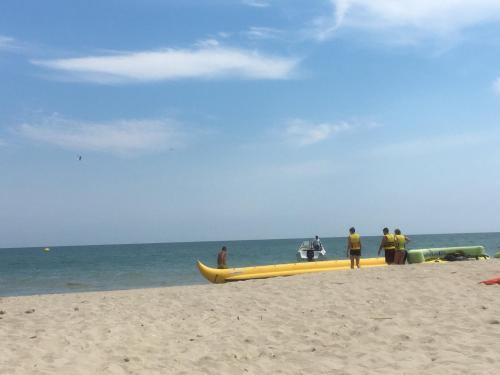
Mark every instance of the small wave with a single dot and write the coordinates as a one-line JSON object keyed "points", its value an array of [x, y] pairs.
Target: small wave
{"points": [[76, 285]]}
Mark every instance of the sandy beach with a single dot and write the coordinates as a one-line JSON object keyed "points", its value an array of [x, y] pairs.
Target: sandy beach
{"points": [[412, 319]]}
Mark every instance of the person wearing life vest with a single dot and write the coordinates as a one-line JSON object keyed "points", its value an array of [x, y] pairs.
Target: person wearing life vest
{"points": [[401, 240], [388, 243], [353, 247]]}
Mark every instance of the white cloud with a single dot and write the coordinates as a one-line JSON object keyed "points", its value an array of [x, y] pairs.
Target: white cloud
{"points": [[205, 62], [122, 137], [207, 43], [257, 3], [421, 17], [302, 133], [7, 43], [496, 85], [256, 32]]}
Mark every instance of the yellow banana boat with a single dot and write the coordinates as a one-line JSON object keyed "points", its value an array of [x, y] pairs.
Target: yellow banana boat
{"points": [[219, 276]]}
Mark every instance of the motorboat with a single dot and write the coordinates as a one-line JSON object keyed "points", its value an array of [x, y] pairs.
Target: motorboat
{"points": [[306, 246]]}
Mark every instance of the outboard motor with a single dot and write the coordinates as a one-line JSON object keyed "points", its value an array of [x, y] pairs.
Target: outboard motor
{"points": [[310, 255]]}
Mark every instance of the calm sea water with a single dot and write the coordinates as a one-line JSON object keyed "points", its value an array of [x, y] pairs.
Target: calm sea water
{"points": [[25, 271]]}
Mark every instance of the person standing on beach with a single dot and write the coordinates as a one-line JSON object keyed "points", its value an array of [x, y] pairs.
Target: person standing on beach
{"points": [[353, 247], [221, 258], [388, 243], [401, 240]]}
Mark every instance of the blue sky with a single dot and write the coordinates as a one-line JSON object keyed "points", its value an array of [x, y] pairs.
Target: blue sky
{"points": [[218, 120]]}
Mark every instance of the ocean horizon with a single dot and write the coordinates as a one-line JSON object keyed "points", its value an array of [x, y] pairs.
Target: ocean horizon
{"points": [[84, 268]]}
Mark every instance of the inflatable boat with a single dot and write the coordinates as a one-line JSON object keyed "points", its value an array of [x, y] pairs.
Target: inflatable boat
{"points": [[446, 253], [218, 276]]}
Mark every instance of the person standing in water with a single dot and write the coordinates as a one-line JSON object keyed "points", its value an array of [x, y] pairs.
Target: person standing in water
{"points": [[221, 258], [388, 243], [353, 247], [400, 241]]}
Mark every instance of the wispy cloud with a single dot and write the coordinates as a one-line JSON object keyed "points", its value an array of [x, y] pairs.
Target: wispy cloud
{"points": [[208, 43], [7, 43], [123, 137], [206, 61], [256, 32], [303, 133], [224, 34], [257, 3], [496, 85], [433, 144], [416, 17]]}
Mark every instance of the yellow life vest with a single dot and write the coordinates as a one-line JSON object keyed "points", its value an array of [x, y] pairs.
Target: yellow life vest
{"points": [[389, 242], [400, 242], [355, 241]]}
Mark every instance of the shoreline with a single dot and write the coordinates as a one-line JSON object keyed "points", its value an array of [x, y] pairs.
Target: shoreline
{"points": [[98, 268], [411, 319], [201, 283]]}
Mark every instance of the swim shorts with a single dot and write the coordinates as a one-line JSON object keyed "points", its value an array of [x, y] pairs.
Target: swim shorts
{"points": [[389, 256], [355, 253]]}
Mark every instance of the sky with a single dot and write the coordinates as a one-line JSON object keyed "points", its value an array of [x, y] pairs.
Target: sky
{"points": [[246, 119]]}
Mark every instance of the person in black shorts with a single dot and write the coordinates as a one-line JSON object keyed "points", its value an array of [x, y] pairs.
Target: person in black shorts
{"points": [[388, 244], [354, 247]]}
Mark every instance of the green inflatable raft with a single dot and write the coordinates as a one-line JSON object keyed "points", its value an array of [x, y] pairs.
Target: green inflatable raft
{"points": [[446, 253]]}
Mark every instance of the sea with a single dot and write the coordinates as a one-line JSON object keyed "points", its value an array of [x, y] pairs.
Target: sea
{"points": [[69, 269]]}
